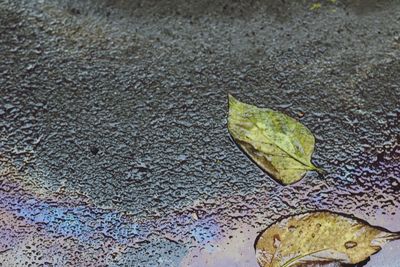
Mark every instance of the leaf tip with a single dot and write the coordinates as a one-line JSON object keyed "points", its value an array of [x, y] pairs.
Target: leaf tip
{"points": [[231, 98], [232, 101], [319, 170]]}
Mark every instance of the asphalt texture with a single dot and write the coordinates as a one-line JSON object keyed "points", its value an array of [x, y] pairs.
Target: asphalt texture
{"points": [[113, 141]]}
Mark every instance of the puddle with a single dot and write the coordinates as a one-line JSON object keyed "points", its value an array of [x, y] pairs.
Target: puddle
{"points": [[114, 129]]}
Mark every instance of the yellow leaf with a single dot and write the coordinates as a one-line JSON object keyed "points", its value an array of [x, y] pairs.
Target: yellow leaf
{"points": [[319, 237], [279, 144], [315, 6]]}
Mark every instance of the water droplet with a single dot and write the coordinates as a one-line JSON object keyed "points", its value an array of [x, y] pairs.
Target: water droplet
{"points": [[350, 244], [277, 241]]}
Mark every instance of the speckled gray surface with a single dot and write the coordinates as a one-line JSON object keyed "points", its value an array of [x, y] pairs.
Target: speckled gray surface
{"points": [[124, 104]]}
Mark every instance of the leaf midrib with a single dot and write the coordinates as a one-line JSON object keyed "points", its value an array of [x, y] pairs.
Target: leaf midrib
{"points": [[309, 167]]}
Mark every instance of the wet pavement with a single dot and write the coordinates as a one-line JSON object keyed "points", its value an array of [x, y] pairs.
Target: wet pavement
{"points": [[113, 142]]}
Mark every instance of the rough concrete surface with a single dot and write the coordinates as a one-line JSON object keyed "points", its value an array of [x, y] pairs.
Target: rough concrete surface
{"points": [[113, 142]]}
